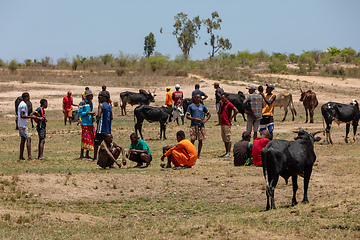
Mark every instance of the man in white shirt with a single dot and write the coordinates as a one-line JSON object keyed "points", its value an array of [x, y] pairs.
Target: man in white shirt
{"points": [[23, 128]]}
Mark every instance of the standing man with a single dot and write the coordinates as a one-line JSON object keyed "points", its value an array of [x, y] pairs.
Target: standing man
{"points": [[41, 127], [267, 120], [195, 113], [254, 115], [67, 107], [87, 124], [139, 151], [168, 98], [23, 126], [177, 97], [218, 92], [226, 109], [197, 91], [104, 118]]}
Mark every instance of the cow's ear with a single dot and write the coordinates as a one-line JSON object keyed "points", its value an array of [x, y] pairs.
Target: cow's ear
{"points": [[317, 139]]}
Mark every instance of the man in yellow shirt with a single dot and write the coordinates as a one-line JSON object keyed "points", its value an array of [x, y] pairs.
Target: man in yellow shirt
{"points": [[267, 121], [183, 154], [168, 100]]}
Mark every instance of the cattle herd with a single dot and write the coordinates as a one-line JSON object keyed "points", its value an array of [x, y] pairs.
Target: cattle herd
{"points": [[279, 157]]}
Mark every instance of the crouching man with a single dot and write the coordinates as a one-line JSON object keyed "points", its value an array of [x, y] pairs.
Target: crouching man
{"points": [[183, 154], [139, 151], [109, 152]]}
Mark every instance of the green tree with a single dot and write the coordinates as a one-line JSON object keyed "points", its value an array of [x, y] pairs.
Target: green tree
{"points": [[348, 54], [107, 58], [13, 65], [216, 42], [186, 32], [149, 45], [333, 51]]}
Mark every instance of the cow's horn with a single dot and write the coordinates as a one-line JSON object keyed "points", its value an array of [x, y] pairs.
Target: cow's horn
{"points": [[317, 132]]}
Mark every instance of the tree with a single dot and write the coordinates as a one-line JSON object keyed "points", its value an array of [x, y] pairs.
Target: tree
{"points": [[149, 45], [217, 42], [186, 32]]}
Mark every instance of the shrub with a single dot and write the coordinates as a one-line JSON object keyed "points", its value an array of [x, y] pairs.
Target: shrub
{"points": [[28, 62], [46, 62], [63, 62], [120, 72], [13, 65], [277, 66], [293, 58], [2, 63]]}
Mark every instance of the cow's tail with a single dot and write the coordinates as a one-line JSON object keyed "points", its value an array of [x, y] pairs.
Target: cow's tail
{"points": [[291, 105], [265, 170]]}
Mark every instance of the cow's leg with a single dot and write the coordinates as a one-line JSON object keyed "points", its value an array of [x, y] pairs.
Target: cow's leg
{"points": [[286, 111], [307, 174], [355, 125], [138, 127], [295, 188], [306, 111], [164, 128], [292, 113], [273, 184], [347, 132], [243, 114], [312, 115], [161, 130]]}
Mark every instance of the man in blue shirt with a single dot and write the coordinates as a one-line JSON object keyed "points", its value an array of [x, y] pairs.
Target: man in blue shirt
{"points": [[139, 151], [104, 118], [197, 91], [195, 113]]}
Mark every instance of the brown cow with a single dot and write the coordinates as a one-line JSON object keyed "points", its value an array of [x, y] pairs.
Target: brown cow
{"points": [[310, 102], [284, 99]]}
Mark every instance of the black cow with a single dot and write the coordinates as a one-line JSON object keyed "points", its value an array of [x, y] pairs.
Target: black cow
{"points": [[186, 103], [237, 100], [141, 98], [288, 159], [30, 110], [163, 115], [339, 112], [75, 117]]}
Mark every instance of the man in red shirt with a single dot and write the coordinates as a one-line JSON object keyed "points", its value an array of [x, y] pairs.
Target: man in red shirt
{"points": [[258, 145], [177, 97], [67, 107], [226, 109]]}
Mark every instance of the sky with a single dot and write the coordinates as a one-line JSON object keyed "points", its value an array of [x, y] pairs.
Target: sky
{"points": [[63, 29]]}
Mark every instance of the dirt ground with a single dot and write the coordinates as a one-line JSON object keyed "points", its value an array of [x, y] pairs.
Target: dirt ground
{"points": [[227, 184]]}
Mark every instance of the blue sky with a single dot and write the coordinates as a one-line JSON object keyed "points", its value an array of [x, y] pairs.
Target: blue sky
{"points": [[39, 28]]}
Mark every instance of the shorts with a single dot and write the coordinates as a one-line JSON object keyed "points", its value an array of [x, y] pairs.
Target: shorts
{"points": [[197, 133], [226, 133], [41, 132], [252, 122], [68, 113], [217, 107], [99, 137], [24, 132], [137, 158], [109, 162], [267, 122]]}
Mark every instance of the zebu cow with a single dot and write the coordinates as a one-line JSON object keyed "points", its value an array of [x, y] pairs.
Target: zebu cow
{"points": [[339, 112], [163, 115], [30, 110], [284, 99], [310, 102], [237, 100], [141, 98], [288, 159]]}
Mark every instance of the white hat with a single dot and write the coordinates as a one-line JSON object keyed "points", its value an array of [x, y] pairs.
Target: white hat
{"points": [[177, 86]]}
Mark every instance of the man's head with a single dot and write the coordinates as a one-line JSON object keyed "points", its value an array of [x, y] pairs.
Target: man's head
{"points": [[87, 88], [216, 85], [103, 87], [197, 86], [168, 89], [103, 96], [265, 133], [89, 95], [269, 88], [43, 103], [25, 96], [260, 89], [251, 88], [69, 93], [180, 135], [177, 87], [134, 138], [246, 136], [108, 137], [197, 99], [223, 97]]}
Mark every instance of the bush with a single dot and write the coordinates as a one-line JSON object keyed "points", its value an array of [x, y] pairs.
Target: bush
{"points": [[46, 62], [28, 62], [2, 63], [293, 58], [63, 62], [120, 72], [13, 65], [277, 66]]}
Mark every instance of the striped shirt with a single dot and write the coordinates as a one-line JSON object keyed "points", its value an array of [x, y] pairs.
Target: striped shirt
{"points": [[256, 103]]}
